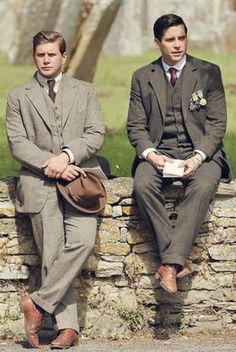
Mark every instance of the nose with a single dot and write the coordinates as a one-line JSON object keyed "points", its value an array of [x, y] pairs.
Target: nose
{"points": [[177, 43], [46, 59]]}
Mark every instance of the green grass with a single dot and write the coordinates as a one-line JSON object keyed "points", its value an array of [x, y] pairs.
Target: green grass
{"points": [[112, 79]]}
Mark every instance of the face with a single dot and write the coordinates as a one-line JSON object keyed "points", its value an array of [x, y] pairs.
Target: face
{"points": [[173, 45], [49, 60]]}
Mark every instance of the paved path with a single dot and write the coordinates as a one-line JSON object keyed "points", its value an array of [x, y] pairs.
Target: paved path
{"points": [[202, 343]]}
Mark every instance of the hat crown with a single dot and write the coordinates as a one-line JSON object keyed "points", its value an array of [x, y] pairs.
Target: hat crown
{"points": [[86, 194]]}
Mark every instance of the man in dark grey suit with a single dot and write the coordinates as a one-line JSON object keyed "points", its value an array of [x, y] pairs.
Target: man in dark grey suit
{"points": [[54, 127], [177, 111]]}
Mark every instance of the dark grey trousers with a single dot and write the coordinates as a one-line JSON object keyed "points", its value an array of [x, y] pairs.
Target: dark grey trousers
{"points": [[175, 243]]}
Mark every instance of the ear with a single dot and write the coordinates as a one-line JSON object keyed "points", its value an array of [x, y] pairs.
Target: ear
{"points": [[157, 43], [64, 57]]}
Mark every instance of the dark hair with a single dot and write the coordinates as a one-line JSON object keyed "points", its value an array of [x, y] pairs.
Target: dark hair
{"points": [[166, 21], [43, 37]]}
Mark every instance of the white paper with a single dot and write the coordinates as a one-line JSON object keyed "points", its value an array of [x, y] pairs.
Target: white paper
{"points": [[173, 169], [97, 171]]}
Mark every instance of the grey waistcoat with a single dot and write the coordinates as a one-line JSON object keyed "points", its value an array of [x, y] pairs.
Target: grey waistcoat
{"points": [[175, 139]]}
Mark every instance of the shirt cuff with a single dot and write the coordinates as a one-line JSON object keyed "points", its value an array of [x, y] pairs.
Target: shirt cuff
{"points": [[146, 152], [203, 155], [70, 155]]}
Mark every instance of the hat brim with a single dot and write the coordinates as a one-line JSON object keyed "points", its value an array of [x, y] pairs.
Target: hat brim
{"points": [[95, 208]]}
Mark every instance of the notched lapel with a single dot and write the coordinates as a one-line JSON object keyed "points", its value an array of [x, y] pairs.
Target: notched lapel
{"points": [[158, 83], [34, 93], [189, 83], [68, 97]]}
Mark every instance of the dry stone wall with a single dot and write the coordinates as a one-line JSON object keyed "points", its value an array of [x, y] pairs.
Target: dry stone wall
{"points": [[117, 292]]}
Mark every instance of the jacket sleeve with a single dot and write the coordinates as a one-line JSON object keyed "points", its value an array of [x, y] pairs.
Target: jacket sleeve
{"points": [[24, 150], [137, 122]]}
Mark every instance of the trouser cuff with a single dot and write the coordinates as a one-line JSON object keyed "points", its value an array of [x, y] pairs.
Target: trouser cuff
{"points": [[173, 259], [41, 303]]}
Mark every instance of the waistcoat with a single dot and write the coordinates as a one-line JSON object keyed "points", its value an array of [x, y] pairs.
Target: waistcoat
{"points": [[55, 116], [175, 139]]}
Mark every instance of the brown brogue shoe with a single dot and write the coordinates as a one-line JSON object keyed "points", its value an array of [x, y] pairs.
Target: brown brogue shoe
{"points": [[167, 275], [32, 319], [66, 339], [184, 271]]}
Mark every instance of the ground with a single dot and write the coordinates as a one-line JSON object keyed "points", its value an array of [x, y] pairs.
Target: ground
{"points": [[223, 341]]}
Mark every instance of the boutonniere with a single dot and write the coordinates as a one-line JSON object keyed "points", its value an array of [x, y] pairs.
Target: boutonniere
{"points": [[197, 101]]}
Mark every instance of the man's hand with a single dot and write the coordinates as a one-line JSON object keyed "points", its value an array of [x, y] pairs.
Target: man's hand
{"points": [[158, 161], [54, 167], [191, 165], [71, 172]]}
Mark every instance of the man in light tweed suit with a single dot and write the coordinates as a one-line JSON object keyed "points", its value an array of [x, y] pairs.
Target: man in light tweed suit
{"points": [[54, 127], [177, 111]]}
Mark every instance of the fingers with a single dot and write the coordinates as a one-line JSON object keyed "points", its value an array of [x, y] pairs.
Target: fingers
{"points": [[72, 172], [166, 158]]}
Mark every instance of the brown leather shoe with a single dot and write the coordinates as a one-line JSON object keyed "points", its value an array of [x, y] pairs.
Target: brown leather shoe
{"points": [[167, 275], [184, 271], [65, 339], [33, 319]]}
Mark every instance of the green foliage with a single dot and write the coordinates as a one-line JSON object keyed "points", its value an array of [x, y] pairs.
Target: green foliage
{"points": [[134, 319], [112, 79]]}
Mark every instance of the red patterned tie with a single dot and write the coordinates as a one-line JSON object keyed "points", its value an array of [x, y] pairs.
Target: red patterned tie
{"points": [[173, 75]]}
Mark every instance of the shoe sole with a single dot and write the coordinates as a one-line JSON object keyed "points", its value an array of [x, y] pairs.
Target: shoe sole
{"points": [[60, 347]]}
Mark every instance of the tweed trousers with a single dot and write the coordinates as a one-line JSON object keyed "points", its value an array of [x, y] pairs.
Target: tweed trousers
{"points": [[174, 243], [65, 239]]}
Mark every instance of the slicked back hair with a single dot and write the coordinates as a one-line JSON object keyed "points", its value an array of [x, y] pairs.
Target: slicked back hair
{"points": [[166, 21]]}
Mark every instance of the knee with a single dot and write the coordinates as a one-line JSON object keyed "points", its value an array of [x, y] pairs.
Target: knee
{"points": [[142, 186], [205, 186]]}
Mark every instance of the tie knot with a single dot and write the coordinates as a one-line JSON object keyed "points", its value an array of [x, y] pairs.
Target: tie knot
{"points": [[172, 70], [51, 83]]}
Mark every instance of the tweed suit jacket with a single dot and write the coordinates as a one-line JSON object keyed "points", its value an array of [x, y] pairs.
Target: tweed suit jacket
{"points": [[147, 109], [30, 134]]}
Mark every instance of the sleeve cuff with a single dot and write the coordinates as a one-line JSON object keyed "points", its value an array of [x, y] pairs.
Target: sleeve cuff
{"points": [[70, 155], [203, 155], [146, 152]]}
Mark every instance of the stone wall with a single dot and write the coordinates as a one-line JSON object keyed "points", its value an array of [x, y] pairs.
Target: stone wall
{"points": [[117, 292]]}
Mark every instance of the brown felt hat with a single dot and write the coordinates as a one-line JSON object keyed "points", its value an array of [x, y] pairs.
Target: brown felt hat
{"points": [[86, 194]]}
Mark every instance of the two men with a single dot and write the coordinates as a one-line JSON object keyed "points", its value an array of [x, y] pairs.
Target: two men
{"points": [[177, 111], [54, 127]]}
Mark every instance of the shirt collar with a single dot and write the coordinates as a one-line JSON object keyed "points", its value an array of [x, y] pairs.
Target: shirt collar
{"points": [[44, 81], [179, 65]]}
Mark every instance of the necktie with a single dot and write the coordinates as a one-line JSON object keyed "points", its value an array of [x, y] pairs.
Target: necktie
{"points": [[173, 75], [51, 93]]}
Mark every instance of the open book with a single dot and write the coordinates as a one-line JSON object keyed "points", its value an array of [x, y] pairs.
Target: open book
{"points": [[173, 169]]}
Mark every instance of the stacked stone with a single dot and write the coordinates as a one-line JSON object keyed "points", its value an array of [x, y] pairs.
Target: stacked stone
{"points": [[117, 291]]}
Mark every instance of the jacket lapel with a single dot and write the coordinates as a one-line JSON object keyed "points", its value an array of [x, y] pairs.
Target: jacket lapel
{"points": [[68, 97], [158, 83], [34, 93], [189, 82]]}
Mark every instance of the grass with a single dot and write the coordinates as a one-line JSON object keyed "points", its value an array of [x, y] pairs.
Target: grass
{"points": [[112, 79]]}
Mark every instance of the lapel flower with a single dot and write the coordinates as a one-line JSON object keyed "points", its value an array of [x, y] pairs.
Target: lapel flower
{"points": [[197, 101]]}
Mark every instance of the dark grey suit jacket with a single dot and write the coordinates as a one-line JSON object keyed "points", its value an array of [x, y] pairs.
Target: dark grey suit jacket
{"points": [[147, 109], [30, 134]]}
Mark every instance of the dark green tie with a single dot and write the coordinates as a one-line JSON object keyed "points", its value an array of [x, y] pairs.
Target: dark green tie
{"points": [[51, 93]]}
